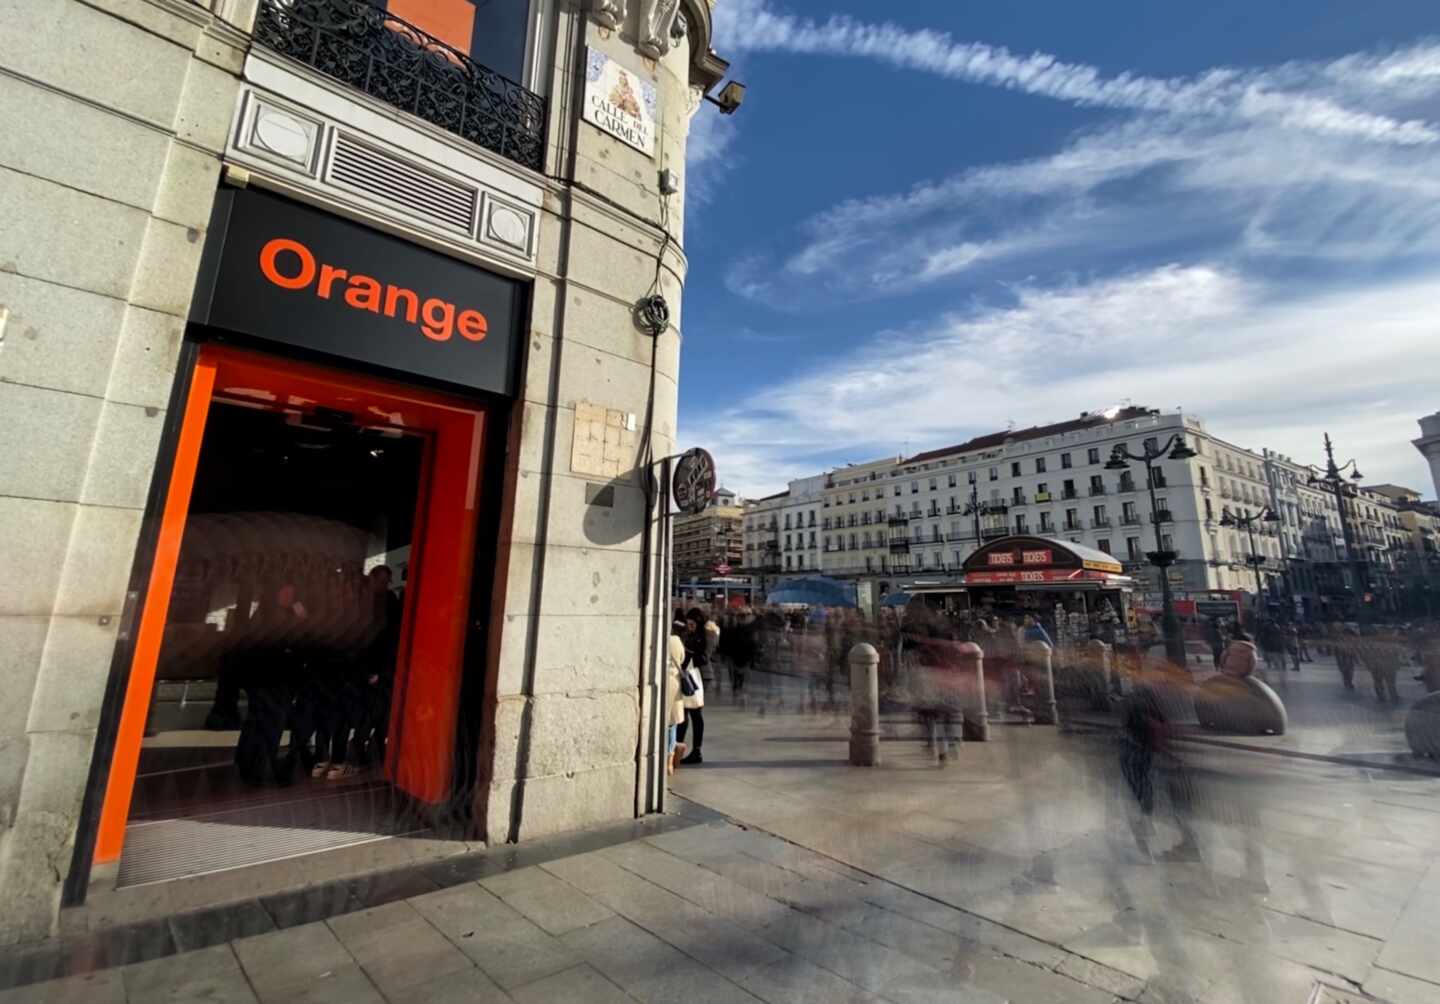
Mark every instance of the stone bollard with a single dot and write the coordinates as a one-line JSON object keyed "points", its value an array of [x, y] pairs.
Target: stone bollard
{"points": [[1245, 706], [1038, 653], [1422, 726], [864, 706], [976, 726]]}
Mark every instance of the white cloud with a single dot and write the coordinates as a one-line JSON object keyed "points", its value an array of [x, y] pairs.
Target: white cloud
{"points": [[1262, 367], [754, 26]]}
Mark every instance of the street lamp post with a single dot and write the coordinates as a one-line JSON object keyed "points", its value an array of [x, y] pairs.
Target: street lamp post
{"points": [[975, 509], [1162, 557], [1254, 559], [1333, 480]]}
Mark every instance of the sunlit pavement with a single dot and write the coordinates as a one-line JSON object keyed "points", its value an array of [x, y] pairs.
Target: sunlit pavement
{"points": [[1305, 869], [1018, 872]]}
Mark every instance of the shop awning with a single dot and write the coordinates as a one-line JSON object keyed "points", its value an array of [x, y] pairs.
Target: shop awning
{"points": [[1043, 563]]}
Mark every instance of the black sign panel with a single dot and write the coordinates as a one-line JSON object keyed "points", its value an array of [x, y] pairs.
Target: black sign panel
{"points": [[288, 273], [694, 481]]}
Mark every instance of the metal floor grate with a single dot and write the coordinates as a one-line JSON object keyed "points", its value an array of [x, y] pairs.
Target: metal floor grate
{"points": [[165, 849]]}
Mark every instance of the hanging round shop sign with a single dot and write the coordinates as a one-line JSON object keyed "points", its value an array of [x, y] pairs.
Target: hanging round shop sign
{"points": [[694, 481]]}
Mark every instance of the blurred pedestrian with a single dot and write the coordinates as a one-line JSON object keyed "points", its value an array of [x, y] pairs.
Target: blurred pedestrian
{"points": [[1238, 659], [674, 698], [1383, 656], [693, 696], [1345, 646]]}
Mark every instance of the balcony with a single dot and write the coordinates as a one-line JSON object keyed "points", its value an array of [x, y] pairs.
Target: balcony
{"points": [[1100, 524], [954, 510], [899, 545], [1019, 499], [990, 532], [1073, 526], [1127, 485], [1069, 493], [1131, 520], [899, 519], [1042, 497], [1164, 516], [391, 60], [1097, 490]]}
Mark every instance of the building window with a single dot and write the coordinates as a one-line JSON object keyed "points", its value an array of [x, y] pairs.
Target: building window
{"points": [[852, 542], [787, 561], [1128, 513], [1092, 455], [897, 489], [1104, 544], [825, 542], [952, 480], [970, 477], [932, 484], [812, 518], [1065, 461], [1045, 525], [1152, 445], [1097, 485], [1015, 468], [1099, 514], [939, 560], [1039, 465], [994, 474], [1020, 523], [914, 488], [787, 521], [1132, 548], [1167, 543], [787, 542], [799, 561]]}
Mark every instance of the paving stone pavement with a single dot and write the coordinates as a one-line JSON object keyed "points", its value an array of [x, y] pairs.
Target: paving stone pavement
{"points": [[1014, 874]]}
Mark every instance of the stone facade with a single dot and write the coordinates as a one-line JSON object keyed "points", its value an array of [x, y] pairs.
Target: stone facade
{"points": [[107, 179]]}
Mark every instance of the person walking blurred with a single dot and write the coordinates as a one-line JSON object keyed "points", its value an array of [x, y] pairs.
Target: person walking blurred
{"points": [[1238, 659], [1344, 645], [1382, 656], [674, 698], [696, 644]]}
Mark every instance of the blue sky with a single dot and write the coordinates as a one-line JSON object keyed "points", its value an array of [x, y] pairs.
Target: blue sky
{"points": [[932, 219]]}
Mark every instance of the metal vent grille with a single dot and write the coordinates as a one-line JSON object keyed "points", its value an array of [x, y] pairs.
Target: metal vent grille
{"points": [[413, 189]]}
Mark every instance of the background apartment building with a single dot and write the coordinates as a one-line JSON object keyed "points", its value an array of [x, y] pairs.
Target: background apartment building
{"points": [[900, 518], [710, 541]]}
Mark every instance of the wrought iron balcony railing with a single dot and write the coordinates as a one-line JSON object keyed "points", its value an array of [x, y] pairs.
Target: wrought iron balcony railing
{"points": [[391, 59]]}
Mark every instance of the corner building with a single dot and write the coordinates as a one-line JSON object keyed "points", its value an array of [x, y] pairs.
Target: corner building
{"points": [[295, 292]]}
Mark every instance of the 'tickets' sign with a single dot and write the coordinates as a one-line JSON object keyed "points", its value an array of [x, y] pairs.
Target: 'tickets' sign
{"points": [[619, 102], [284, 272]]}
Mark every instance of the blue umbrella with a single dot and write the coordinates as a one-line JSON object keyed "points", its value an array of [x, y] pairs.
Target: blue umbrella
{"points": [[819, 592], [901, 599]]}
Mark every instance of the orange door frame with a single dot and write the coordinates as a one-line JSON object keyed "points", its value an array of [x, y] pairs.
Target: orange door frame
{"points": [[427, 681]]}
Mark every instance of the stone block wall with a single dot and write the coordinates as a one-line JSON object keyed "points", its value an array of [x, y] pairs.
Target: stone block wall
{"points": [[115, 114], [573, 685]]}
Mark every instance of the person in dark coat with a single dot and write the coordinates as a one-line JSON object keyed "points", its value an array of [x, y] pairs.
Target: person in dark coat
{"points": [[272, 668]]}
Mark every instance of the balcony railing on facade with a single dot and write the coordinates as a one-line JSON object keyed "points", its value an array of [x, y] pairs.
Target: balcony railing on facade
{"points": [[1100, 524], [1097, 490], [1073, 526], [1132, 519], [392, 60]]}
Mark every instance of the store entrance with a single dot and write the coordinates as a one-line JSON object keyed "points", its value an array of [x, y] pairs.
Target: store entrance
{"points": [[293, 648]]}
